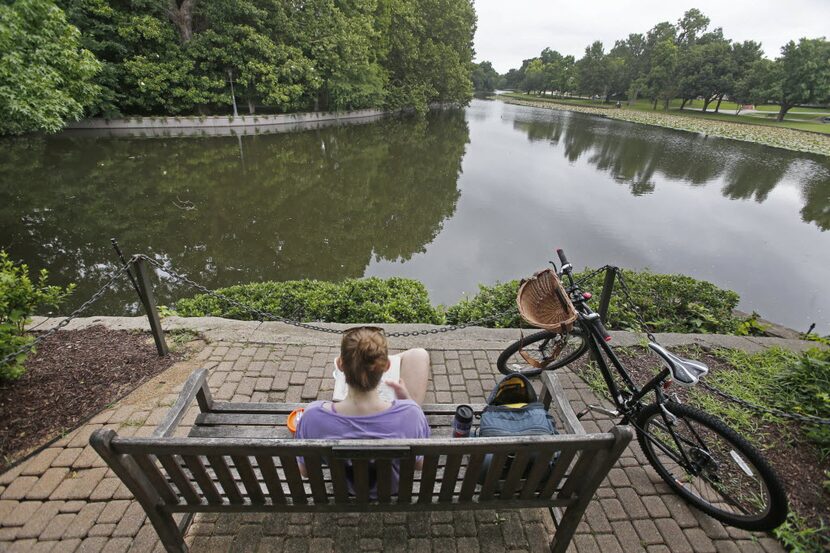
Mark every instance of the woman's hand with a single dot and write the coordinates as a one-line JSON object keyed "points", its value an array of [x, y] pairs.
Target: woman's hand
{"points": [[400, 389]]}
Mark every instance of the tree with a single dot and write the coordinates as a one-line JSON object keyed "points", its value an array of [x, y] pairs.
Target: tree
{"points": [[662, 76], [804, 74], [754, 85], [534, 76], [45, 74], [592, 71], [485, 78], [745, 56]]}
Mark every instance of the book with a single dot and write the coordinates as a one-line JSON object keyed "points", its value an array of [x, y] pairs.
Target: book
{"points": [[385, 392]]}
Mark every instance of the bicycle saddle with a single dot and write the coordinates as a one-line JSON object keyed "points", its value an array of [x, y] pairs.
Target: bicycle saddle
{"points": [[685, 371]]}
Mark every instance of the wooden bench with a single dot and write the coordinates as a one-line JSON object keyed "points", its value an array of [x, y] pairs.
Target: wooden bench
{"points": [[239, 457]]}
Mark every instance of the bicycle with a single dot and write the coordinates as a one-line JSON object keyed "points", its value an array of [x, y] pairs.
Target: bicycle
{"points": [[696, 454]]}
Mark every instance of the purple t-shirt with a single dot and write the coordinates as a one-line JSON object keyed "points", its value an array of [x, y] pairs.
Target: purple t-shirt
{"points": [[404, 419]]}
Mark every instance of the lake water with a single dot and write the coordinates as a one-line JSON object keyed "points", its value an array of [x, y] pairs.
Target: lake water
{"points": [[466, 197]]}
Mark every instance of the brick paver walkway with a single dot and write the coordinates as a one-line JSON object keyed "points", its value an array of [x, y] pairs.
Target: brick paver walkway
{"points": [[64, 499]]}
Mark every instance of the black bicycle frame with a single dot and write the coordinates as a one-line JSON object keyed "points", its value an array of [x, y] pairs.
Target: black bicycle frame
{"points": [[627, 406]]}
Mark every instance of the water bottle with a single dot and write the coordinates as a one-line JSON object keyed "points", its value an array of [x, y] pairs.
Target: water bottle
{"points": [[463, 421]]}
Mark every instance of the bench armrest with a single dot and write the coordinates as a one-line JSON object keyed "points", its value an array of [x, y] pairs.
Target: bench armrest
{"points": [[194, 387], [553, 389]]}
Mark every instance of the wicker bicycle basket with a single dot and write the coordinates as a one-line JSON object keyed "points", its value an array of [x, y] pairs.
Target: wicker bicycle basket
{"points": [[544, 303]]}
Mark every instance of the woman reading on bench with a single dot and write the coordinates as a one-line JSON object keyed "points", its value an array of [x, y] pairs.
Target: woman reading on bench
{"points": [[364, 414]]}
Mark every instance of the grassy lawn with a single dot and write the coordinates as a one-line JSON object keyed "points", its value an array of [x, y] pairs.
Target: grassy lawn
{"points": [[796, 120], [775, 108]]}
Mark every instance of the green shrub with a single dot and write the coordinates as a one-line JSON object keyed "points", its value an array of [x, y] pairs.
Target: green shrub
{"points": [[669, 303], [499, 298], [808, 383], [19, 297], [369, 300]]}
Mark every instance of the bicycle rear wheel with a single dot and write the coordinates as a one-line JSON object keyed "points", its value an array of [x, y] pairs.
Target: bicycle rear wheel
{"points": [[550, 349], [712, 467]]}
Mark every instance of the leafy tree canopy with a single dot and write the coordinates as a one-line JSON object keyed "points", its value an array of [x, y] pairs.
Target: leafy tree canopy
{"points": [[46, 78]]}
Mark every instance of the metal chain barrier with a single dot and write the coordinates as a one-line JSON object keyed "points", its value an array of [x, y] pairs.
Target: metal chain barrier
{"points": [[83, 307], [808, 419], [267, 316], [631, 305]]}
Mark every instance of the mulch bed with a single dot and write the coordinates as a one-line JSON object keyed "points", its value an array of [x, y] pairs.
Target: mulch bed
{"points": [[73, 375], [796, 460]]}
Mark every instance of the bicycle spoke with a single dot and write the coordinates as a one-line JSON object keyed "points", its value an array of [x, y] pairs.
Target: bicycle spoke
{"points": [[711, 468]]}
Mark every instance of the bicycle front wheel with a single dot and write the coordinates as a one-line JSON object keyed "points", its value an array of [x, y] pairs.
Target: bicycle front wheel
{"points": [[712, 467], [547, 348]]}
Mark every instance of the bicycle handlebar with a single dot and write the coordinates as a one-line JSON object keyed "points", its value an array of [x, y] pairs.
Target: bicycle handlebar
{"points": [[561, 253]]}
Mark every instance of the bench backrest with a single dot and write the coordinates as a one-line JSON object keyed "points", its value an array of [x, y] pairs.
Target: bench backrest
{"points": [[208, 474]]}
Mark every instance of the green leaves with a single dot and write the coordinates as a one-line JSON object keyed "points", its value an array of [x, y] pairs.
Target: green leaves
{"points": [[370, 300], [45, 76], [19, 297]]}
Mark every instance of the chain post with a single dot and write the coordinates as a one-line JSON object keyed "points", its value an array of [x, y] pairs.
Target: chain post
{"points": [[607, 290], [146, 294]]}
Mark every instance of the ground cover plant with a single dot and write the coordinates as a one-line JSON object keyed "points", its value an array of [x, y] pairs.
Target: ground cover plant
{"points": [[20, 296]]}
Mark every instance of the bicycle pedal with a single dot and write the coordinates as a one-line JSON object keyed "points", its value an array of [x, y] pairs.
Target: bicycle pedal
{"points": [[599, 409]]}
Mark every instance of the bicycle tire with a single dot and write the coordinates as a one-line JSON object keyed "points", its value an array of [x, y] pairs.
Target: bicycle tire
{"points": [[742, 464], [508, 366]]}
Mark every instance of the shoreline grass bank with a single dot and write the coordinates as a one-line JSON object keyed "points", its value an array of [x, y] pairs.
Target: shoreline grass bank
{"points": [[747, 131]]}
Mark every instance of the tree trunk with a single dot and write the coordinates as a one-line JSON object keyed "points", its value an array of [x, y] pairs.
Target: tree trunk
{"points": [[666, 103], [181, 15], [784, 109], [654, 107], [251, 106], [706, 103], [683, 104], [720, 99]]}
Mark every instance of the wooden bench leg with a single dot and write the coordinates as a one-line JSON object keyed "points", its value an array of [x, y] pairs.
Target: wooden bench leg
{"points": [[573, 514], [126, 469]]}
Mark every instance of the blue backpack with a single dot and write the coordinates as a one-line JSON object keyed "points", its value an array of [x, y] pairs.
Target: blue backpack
{"points": [[513, 409]]}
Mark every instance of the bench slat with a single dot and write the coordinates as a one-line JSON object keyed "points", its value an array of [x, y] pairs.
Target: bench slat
{"points": [[293, 478], [197, 469], [405, 483], [226, 480], [279, 420], [272, 479], [360, 472], [541, 468], [249, 478], [493, 474], [514, 474], [450, 477], [338, 480], [384, 474], [559, 470], [174, 471], [314, 469], [427, 483], [286, 408], [158, 481], [468, 486]]}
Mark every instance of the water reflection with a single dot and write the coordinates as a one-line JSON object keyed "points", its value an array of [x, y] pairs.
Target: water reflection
{"points": [[390, 198], [319, 204], [631, 155]]}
